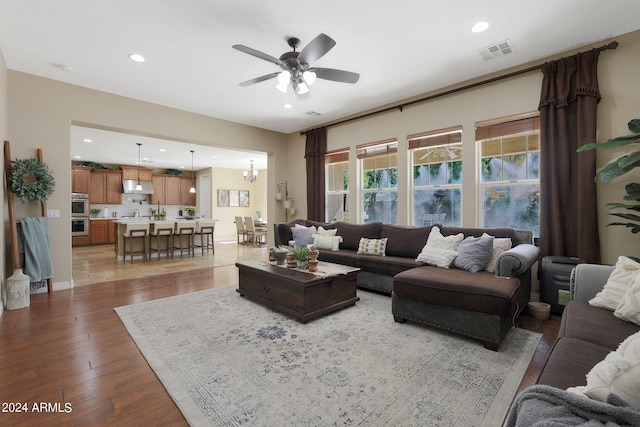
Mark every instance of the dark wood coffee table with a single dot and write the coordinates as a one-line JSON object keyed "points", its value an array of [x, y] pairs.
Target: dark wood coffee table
{"points": [[300, 294]]}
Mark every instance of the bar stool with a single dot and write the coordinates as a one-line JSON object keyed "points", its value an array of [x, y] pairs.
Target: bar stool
{"points": [[162, 236], [204, 229], [135, 232], [183, 237]]}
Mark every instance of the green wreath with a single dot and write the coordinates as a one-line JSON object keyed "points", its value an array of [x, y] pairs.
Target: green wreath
{"points": [[31, 180]]}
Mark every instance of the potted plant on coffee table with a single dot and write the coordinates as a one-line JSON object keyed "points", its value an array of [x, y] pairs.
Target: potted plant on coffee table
{"points": [[301, 255]]}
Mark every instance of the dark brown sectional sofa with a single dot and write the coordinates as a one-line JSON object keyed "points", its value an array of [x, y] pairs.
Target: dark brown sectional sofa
{"points": [[480, 305], [587, 333]]}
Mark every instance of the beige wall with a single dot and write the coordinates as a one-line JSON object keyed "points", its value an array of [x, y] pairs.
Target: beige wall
{"points": [[232, 179], [6, 264], [620, 95], [42, 110]]}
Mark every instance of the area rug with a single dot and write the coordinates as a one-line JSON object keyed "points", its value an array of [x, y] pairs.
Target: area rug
{"points": [[227, 361]]}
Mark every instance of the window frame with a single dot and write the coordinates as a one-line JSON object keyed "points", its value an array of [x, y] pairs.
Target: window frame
{"points": [[374, 150], [435, 139], [335, 157], [523, 125]]}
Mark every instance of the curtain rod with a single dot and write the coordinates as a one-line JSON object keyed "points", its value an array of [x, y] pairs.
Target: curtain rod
{"points": [[611, 46]]}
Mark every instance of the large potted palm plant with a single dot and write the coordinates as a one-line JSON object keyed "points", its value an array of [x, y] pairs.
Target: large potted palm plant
{"points": [[619, 167]]}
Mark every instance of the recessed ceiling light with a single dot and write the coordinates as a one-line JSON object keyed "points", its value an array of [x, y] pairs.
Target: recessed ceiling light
{"points": [[163, 149], [87, 140], [136, 57], [287, 106], [480, 27], [77, 157], [214, 157]]}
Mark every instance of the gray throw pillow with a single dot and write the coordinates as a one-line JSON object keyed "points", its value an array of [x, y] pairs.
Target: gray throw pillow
{"points": [[474, 253], [303, 236]]}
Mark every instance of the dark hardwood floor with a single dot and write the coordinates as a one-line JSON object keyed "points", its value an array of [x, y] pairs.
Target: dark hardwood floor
{"points": [[70, 351]]}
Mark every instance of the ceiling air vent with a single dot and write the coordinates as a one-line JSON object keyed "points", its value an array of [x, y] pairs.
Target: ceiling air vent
{"points": [[495, 50], [313, 114]]}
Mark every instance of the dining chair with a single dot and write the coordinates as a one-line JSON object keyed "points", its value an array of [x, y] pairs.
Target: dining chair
{"points": [[258, 236], [241, 230]]}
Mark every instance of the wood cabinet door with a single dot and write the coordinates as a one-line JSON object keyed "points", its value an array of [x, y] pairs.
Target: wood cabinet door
{"points": [[158, 189], [111, 231], [98, 192], [187, 198], [80, 179], [172, 190], [113, 184], [99, 231]]}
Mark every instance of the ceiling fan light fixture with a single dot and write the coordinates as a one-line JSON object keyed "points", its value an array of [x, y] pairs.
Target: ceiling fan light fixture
{"points": [[283, 81], [309, 77], [302, 88]]}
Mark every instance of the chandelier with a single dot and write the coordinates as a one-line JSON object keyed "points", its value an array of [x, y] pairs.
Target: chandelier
{"points": [[250, 175]]}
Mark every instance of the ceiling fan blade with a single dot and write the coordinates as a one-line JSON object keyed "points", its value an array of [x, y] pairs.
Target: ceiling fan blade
{"points": [[259, 79], [316, 49], [336, 75], [257, 54]]}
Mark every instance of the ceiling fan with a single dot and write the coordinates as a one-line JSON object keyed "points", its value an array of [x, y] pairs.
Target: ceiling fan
{"points": [[296, 66]]}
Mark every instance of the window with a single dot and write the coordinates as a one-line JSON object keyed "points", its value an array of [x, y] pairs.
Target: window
{"points": [[510, 173], [436, 160], [336, 171], [379, 181]]}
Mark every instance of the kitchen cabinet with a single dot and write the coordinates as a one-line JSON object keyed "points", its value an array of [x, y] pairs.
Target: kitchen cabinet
{"points": [[106, 187], [187, 198], [102, 231], [172, 190], [131, 172], [80, 179], [157, 197]]}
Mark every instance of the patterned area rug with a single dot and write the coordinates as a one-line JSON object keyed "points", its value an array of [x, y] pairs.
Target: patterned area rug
{"points": [[227, 361]]}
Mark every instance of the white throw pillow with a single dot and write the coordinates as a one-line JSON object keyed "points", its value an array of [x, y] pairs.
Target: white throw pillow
{"points": [[440, 250], [617, 285], [629, 307], [500, 245], [327, 232], [618, 373], [327, 242]]}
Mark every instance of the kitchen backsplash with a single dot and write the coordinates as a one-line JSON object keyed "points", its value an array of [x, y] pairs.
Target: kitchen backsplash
{"points": [[130, 204]]}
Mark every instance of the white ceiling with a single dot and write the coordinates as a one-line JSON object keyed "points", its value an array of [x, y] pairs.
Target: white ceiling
{"points": [[115, 148], [400, 49]]}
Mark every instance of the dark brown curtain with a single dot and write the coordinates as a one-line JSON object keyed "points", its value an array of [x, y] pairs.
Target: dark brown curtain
{"points": [[315, 150], [568, 208]]}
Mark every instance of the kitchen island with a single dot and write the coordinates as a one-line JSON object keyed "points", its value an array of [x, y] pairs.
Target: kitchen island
{"points": [[121, 226]]}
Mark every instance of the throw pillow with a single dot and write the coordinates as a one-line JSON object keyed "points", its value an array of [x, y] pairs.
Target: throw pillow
{"points": [[302, 236], [326, 242], [436, 256], [439, 250], [618, 373], [500, 245], [629, 307], [327, 232], [372, 246], [436, 239], [474, 253], [617, 285]]}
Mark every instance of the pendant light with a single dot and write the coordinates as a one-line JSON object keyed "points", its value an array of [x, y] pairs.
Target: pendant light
{"points": [[193, 187], [139, 186], [251, 175]]}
